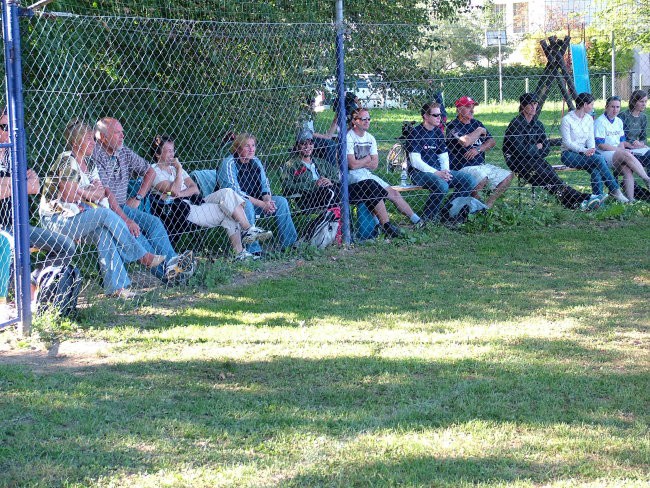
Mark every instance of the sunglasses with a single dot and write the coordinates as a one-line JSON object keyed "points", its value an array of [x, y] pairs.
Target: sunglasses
{"points": [[363, 119], [435, 115], [306, 142], [4, 127]]}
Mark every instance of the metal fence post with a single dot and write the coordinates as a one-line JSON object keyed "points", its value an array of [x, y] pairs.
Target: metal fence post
{"points": [[342, 146], [20, 203]]}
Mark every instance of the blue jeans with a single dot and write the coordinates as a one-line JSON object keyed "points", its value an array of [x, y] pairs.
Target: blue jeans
{"points": [[461, 182], [115, 244], [58, 249], [286, 229], [153, 236], [597, 168]]}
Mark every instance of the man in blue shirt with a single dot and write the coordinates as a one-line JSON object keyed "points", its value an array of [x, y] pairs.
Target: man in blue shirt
{"points": [[429, 162], [468, 140]]}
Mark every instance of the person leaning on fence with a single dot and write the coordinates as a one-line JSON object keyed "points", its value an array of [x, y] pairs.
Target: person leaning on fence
{"points": [[177, 201], [635, 125], [351, 103], [428, 161], [316, 181], [468, 140], [243, 172], [74, 203], [363, 159], [324, 145], [59, 249], [579, 152], [617, 151], [525, 146], [115, 164]]}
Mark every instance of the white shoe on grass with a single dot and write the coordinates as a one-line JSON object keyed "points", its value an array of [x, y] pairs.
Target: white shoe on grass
{"points": [[618, 195]]}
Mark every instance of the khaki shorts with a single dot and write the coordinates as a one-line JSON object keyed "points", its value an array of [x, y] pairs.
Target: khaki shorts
{"points": [[494, 174], [217, 210]]}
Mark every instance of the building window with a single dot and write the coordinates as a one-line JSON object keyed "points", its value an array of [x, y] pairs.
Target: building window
{"points": [[499, 14], [520, 17]]}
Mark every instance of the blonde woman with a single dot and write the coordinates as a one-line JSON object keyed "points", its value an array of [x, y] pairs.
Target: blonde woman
{"points": [[243, 172]]}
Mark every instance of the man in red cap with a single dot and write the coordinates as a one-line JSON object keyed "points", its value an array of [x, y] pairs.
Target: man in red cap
{"points": [[467, 141]]}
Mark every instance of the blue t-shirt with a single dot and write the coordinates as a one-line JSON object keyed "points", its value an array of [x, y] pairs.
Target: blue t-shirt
{"points": [[455, 130], [429, 143]]}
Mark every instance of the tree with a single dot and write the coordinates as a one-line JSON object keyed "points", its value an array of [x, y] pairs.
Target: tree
{"points": [[629, 20]]}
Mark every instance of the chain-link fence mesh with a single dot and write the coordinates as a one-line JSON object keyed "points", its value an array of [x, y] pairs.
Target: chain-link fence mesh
{"points": [[188, 86]]}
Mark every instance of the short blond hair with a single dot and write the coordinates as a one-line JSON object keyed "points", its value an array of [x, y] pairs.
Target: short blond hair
{"points": [[75, 131], [240, 140]]}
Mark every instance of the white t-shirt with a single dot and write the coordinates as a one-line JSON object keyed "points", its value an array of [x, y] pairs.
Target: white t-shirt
{"points": [[360, 147], [609, 131], [168, 174]]}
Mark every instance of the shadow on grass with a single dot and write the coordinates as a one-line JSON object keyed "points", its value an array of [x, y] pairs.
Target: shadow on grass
{"points": [[89, 423]]}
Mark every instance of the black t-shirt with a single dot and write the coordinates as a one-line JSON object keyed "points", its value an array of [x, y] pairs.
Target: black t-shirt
{"points": [[250, 179]]}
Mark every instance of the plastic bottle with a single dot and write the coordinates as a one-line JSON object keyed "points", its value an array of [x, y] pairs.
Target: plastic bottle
{"points": [[403, 179], [168, 203]]}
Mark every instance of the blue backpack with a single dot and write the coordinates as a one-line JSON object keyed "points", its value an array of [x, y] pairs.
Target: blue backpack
{"points": [[58, 289]]}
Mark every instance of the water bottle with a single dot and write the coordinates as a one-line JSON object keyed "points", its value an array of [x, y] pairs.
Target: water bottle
{"points": [[167, 202], [403, 179]]}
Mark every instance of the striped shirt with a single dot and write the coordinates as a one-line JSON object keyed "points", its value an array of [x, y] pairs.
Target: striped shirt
{"points": [[116, 170]]}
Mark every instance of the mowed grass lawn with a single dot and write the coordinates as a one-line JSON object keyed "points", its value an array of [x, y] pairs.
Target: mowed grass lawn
{"points": [[517, 358]]}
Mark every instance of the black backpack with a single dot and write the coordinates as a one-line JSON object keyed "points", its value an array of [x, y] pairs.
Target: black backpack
{"points": [[58, 289]]}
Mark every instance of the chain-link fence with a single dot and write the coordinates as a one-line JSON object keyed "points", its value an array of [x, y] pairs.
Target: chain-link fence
{"points": [[225, 110]]}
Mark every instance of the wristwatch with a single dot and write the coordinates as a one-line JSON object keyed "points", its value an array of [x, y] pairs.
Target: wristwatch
{"points": [[138, 197]]}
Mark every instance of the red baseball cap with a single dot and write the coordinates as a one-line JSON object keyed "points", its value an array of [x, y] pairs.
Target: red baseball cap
{"points": [[465, 102]]}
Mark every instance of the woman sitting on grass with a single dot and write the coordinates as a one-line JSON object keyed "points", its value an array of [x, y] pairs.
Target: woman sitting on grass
{"points": [[177, 202], [612, 145]]}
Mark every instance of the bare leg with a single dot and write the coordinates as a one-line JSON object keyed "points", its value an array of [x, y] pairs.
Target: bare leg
{"points": [[239, 216], [401, 204], [235, 240], [499, 190], [624, 160], [478, 188], [381, 213]]}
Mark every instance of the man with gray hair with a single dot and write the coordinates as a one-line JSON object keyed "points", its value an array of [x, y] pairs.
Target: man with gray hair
{"points": [[116, 164]]}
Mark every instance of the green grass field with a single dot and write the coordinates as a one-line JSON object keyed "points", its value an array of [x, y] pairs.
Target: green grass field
{"points": [[515, 358]]}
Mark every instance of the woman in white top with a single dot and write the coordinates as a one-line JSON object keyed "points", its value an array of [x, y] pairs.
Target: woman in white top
{"points": [[177, 200], [613, 146], [579, 151], [74, 204]]}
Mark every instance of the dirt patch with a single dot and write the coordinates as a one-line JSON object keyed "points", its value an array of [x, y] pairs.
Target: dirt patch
{"points": [[72, 354]]}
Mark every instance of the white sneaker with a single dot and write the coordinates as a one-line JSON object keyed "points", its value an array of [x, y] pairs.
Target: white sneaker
{"points": [[183, 264], [253, 234], [243, 256], [618, 196]]}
